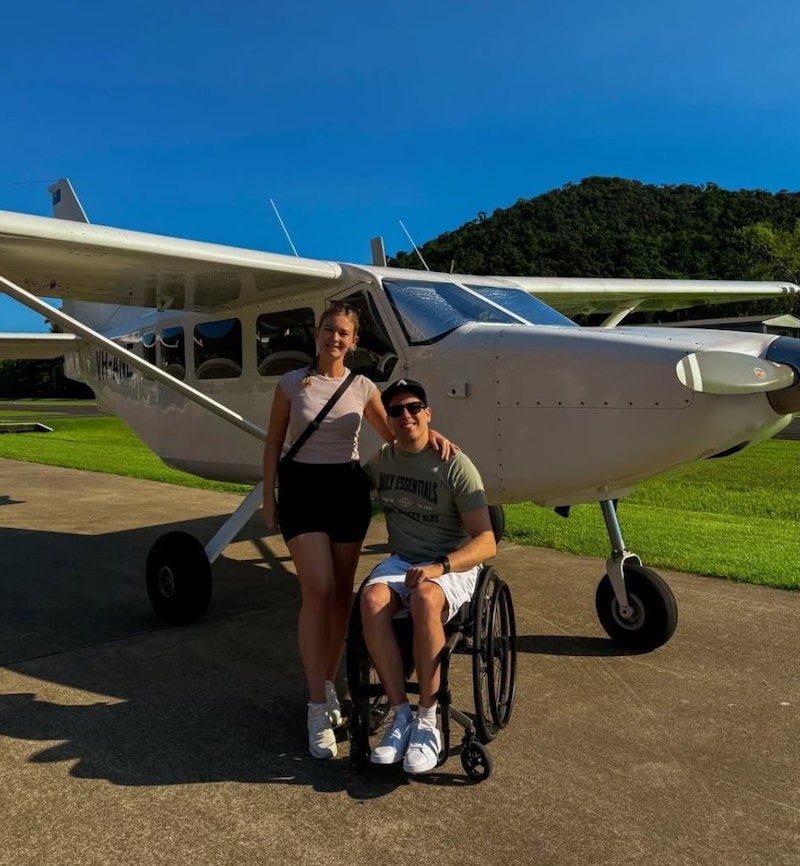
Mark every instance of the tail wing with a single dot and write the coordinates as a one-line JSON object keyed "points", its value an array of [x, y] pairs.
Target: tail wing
{"points": [[37, 346], [65, 203]]}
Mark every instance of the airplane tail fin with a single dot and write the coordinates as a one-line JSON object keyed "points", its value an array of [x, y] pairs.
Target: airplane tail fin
{"points": [[66, 206], [65, 203]]}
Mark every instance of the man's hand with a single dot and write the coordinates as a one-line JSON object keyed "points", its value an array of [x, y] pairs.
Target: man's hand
{"points": [[420, 573]]}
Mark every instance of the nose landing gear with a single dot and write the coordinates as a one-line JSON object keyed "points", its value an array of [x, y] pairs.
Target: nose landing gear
{"points": [[635, 605]]}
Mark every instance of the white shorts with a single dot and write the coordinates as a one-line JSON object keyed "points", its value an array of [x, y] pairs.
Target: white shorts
{"points": [[458, 586]]}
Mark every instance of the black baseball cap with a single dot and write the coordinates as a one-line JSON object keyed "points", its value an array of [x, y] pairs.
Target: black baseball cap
{"points": [[403, 385]]}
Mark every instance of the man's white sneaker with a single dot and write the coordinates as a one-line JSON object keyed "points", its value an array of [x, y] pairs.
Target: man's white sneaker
{"points": [[334, 707], [424, 747], [321, 740], [393, 743]]}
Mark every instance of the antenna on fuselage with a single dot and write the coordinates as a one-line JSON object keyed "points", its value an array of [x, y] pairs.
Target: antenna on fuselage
{"points": [[416, 250], [285, 230]]}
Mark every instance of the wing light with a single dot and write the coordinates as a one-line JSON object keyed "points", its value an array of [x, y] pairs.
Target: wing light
{"points": [[732, 373]]}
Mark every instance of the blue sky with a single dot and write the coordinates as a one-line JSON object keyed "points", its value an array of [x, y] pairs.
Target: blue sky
{"points": [[185, 119]]}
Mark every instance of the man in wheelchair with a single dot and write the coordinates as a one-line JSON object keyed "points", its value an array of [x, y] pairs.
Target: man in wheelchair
{"points": [[440, 533]]}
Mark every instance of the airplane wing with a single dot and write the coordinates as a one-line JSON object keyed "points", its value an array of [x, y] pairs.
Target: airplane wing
{"points": [[59, 258], [578, 295], [30, 347]]}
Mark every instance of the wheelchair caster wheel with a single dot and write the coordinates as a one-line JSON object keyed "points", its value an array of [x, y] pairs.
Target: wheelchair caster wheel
{"points": [[476, 761]]}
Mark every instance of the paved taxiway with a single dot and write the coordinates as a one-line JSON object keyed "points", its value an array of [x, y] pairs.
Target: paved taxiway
{"points": [[122, 741]]}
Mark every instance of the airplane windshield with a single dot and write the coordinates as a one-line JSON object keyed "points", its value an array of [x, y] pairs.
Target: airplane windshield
{"points": [[429, 310], [523, 304]]}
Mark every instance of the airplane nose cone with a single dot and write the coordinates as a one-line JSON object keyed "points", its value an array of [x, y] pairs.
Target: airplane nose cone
{"points": [[786, 350]]}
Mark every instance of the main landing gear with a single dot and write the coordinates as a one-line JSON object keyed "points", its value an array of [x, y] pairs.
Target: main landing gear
{"points": [[634, 604], [178, 571]]}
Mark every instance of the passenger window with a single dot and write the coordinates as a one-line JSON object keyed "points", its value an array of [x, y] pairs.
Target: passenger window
{"points": [[374, 355], [173, 352], [218, 349], [285, 341]]}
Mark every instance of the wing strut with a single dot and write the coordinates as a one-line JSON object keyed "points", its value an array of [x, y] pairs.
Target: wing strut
{"points": [[73, 326], [620, 313]]}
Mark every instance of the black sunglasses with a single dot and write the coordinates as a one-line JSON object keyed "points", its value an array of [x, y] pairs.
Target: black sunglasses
{"points": [[414, 408]]}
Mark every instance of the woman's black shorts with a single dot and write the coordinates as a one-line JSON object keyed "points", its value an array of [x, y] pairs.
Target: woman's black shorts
{"points": [[324, 497]]}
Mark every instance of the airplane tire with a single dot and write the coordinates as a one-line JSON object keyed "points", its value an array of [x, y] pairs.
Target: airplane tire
{"points": [[178, 578], [655, 611]]}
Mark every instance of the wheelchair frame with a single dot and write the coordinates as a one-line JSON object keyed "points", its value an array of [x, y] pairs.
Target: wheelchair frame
{"points": [[485, 629]]}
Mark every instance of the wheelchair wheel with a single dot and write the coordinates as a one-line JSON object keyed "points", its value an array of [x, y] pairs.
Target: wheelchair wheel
{"points": [[476, 761], [485, 725], [502, 650], [494, 659]]}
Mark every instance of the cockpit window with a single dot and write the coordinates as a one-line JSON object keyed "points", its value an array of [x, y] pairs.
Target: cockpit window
{"points": [[523, 304], [429, 310]]}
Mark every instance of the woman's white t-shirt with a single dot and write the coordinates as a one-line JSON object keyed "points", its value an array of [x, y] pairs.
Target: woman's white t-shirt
{"points": [[336, 440]]}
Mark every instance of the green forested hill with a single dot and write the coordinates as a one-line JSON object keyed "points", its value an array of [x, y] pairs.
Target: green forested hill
{"points": [[612, 227]]}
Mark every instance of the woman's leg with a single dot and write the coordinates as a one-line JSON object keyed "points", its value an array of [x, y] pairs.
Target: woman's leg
{"points": [[345, 561], [313, 560]]}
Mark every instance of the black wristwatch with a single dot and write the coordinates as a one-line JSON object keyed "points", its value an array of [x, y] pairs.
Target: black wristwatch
{"points": [[444, 562]]}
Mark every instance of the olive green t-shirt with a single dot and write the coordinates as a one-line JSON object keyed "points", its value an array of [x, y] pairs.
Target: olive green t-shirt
{"points": [[423, 497]]}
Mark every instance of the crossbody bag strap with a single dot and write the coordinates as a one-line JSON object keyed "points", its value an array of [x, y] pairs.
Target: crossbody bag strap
{"points": [[314, 425]]}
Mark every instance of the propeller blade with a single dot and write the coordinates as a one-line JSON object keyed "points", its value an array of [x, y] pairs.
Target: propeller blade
{"points": [[732, 373]]}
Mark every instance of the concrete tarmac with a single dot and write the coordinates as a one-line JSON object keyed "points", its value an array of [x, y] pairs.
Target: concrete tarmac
{"points": [[123, 741]]}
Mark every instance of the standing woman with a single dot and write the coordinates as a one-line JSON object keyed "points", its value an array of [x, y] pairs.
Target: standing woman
{"points": [[324, 508]]}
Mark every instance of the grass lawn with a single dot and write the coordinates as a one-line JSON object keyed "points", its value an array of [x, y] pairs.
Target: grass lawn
{"points": [[37, 410], [737, 518], [100, 444]]}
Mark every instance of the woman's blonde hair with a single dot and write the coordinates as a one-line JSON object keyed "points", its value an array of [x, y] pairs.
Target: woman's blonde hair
{"points": [[334, 308]]}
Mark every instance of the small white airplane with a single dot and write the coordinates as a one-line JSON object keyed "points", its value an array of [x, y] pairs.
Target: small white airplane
{"points": [[185, 342]]}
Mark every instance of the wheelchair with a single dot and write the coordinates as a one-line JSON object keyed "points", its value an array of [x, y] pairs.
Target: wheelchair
{"points": [[484, 629]]}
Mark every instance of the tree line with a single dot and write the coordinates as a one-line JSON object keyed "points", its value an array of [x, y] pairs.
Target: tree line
{"points": [[40, 379], [616, 228]]}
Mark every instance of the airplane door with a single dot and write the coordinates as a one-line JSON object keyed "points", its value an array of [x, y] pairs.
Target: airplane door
{"points": [[376, 354]]}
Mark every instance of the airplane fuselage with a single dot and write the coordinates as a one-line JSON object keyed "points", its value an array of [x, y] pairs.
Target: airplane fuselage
{"points": [[550, 413]]}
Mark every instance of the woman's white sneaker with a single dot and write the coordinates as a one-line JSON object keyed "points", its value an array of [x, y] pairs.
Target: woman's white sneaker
{"points": [[321, 739]]}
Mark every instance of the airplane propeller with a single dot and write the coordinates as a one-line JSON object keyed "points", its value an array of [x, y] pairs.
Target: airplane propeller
{"points": [[733, 373]]}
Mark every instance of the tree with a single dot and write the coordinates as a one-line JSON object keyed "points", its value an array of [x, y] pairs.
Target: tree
{"points": [[613, 227], [777, 250]]}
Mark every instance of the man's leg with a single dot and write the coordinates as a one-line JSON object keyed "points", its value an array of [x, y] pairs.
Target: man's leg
{"points": [[428, 607], [378, 605]]}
